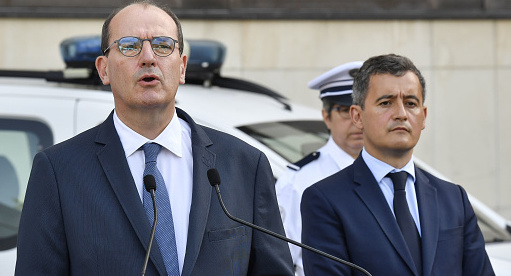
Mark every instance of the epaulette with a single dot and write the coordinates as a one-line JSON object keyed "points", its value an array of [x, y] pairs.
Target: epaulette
{"points": [[304, 161]]}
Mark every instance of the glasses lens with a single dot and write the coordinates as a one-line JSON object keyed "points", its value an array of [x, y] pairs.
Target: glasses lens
{"points": [[130, 46], [163, 46], [344, 111]]}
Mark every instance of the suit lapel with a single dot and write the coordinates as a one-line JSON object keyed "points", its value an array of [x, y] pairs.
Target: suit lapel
{"points": [[113, 161], [370, 193], [428, 212], [203, 160]]}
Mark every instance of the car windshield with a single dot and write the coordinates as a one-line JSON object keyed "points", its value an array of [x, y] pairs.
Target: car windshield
{"points": [[290, 139]]}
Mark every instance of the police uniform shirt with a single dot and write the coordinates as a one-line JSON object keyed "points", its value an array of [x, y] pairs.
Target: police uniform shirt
{"points": [[295, 180]]}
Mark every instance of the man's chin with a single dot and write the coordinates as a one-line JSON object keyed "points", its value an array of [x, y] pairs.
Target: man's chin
{"points": [[401, 149]]}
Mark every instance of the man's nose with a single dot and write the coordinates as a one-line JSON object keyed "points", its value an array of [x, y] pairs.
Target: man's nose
{"points": [[147, 56], [400, 110]]}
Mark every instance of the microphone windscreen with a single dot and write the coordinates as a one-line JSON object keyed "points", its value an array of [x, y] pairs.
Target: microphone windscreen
{"points": [[213, 177], [149, 182]]}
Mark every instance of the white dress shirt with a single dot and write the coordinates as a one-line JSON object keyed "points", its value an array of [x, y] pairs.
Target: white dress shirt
{"points": [[175, 164], [292, 183], [380, 169]]}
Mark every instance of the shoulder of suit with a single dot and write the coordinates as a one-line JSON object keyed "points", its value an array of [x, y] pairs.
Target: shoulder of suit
{"points": [[432, 178], [304, 161]]}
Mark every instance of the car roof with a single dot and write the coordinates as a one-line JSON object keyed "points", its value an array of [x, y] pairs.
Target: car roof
{"points": [[237, 108]]}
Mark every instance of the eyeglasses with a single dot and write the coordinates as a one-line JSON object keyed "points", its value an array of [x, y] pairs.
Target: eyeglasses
{"points": [[343, 111], [131, 46]]}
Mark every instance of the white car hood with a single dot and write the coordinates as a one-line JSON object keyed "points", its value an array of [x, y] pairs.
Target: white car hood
{"points": [[500, 257]]}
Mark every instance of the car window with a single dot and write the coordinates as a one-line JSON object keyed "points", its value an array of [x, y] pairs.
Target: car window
{"points": [[20, 140], [290, 139]]}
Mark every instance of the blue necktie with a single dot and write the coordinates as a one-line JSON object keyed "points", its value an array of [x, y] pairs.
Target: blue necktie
{"points": [[165, 236], [404, 218]]}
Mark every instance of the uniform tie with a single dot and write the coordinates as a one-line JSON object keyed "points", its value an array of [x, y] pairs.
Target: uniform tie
{"points": [[404, 218], [164, 234]]}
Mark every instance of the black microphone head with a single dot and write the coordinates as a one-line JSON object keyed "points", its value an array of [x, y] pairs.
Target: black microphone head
{"points": [[213, 177], [149, 182]]}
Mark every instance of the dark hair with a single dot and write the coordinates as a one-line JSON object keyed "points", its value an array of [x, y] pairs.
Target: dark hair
{"points": [[105, 32], [385, 64], [327, 106]]}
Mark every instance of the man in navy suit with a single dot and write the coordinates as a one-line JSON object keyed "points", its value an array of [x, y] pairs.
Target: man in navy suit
{"points": [[84, 211], [366, 214]]}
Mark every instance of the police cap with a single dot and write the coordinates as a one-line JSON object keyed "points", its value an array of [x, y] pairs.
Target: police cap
{"points": [[336, 84]]}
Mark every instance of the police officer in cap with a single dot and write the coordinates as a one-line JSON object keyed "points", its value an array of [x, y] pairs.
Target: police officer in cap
{"points": [[343, 146]]}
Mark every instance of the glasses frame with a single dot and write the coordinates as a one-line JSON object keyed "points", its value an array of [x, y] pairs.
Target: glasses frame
{"points": [[142, 43], [342, 114]]}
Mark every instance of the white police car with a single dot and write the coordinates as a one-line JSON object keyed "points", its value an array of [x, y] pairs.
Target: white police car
{"points": [[39, 109]]}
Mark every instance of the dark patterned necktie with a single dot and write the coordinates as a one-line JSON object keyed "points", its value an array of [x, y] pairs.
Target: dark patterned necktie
{"points": [[404, 218]]}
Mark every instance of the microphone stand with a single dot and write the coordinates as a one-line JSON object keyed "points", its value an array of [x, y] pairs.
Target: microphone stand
{"points": [[151, 238], [217, 189]]}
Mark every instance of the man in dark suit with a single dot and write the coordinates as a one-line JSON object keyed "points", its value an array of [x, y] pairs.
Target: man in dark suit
{"points": [[86, 211], [383, 213]]}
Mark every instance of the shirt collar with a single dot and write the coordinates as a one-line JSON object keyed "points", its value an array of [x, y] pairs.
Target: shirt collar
{"points": [[337, 153], [380, 169], [169, 138]]}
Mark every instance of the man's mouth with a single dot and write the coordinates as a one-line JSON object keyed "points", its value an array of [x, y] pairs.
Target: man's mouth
{"points": [[400, 129], [148, 79]]}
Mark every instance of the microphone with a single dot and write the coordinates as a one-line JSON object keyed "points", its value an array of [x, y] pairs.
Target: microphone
{"points": [[214, 180], [150, 186]]}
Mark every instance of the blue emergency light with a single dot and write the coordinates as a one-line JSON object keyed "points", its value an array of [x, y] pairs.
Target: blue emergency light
{"points": [[81, 52]]}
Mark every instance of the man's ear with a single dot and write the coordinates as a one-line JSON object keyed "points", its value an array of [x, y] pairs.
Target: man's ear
{"points": [[184, 60], [356, 116], [425, 116], [101, 66]]}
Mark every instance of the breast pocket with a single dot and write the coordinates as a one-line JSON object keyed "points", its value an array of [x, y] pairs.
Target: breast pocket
{"points": [[226, 234]]}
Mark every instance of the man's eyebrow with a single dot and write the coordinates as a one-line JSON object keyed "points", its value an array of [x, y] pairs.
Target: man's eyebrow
{"points": [[385, 97], [389, 96], [412, 97]]}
